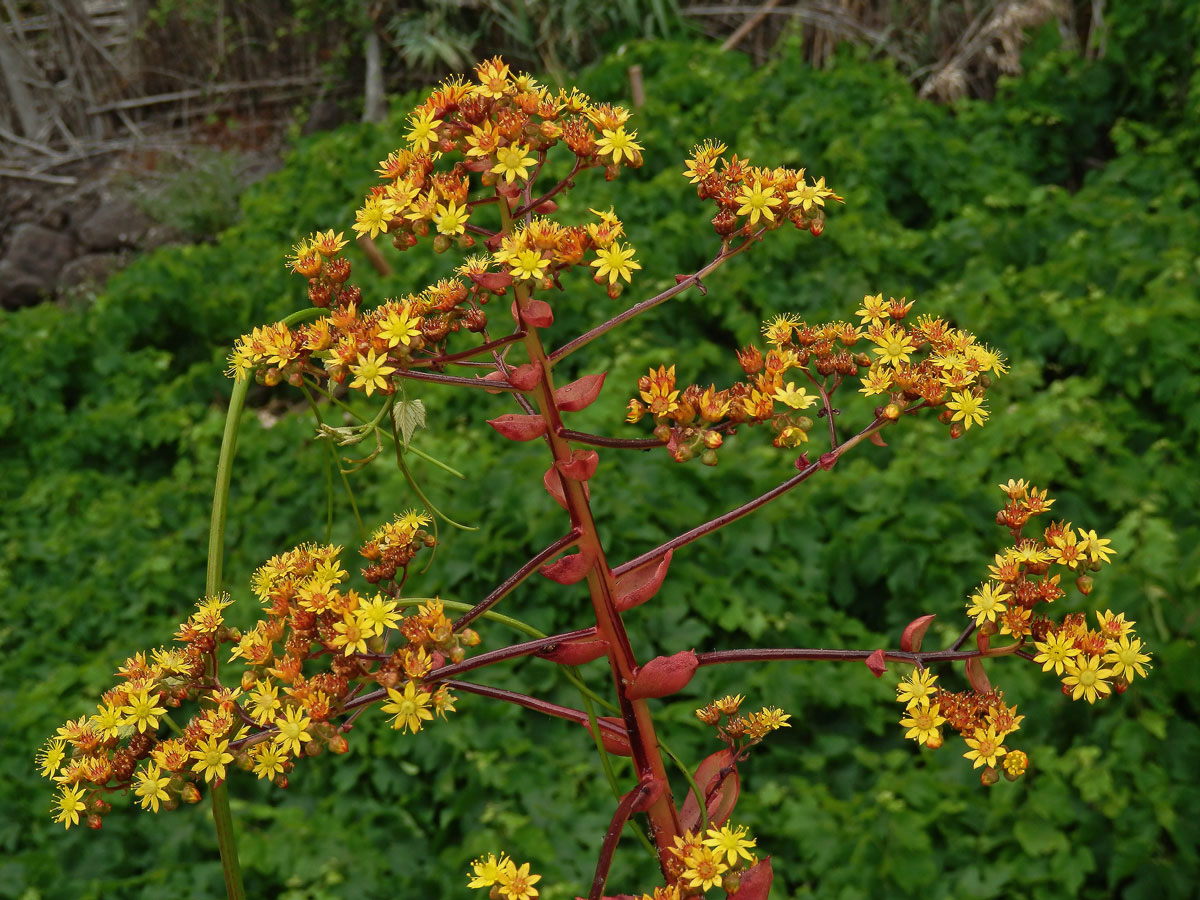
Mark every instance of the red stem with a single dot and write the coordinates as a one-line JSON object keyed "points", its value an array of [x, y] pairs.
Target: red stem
{"points": [[439, 361], [506, 586], [577, 716], [766, 654], [639, 724], [690, 281], [620, 816], [534, 204], [596, 440], [454, 379], [746, 508]]}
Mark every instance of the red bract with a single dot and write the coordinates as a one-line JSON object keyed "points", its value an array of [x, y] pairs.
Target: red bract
{"points": [[519, 428], [579, 394], [638, 585], [717, 779], [663, 675]]}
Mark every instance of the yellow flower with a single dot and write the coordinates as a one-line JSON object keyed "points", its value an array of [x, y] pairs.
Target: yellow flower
{"points": [[987, 602], [488, 870], [1098, 548], [378, 615], [873, 310], [796, 398], [615, 261], [1125, 655], [211, 757], [917, 688], [517, 883], [451, 219], [1016, 489], [70, 805], [1086, 679], [806, 196], [730, 841], [351, 635], [268, 759], [50, 758], [423, 133], [143, 712], [922, 722], [512, 163], [373, 217], [617, 144], [703, 868], [264, 702], [370, 372], [986, 747], [150, 787], [967, 408], [1057, 651], [1015, 763], [400, 326], [293, 730], [894, 346], [878, 380], [528, 264], [409, 709], [757, 201], [108, 720]]}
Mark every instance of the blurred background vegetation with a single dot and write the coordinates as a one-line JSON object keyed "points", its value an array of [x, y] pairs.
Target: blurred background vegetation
{"points": [[1054, 214]]}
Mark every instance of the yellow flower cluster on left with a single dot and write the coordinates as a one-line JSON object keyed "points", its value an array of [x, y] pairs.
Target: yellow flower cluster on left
{"points": [[280, 708], [505, 878]]}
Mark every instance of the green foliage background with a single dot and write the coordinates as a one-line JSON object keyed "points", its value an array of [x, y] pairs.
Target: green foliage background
{"points": [[1059, 223]]}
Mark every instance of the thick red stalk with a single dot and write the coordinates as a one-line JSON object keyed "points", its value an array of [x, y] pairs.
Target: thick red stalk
{"points": [[664, 817]]}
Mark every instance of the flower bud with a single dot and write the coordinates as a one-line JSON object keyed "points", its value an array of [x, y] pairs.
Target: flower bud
{"points": [[989, 776], [709, 457], [1084, 583]]}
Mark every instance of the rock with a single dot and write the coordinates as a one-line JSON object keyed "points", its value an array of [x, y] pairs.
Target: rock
{"points": [[90, 270], [116, 223], [160, 234], [32, 264]]}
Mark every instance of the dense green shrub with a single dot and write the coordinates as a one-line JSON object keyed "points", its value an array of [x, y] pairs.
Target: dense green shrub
{"points": [[998, 215]]}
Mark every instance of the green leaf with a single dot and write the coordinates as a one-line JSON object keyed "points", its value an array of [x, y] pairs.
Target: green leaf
{"points": [[409, 416]]}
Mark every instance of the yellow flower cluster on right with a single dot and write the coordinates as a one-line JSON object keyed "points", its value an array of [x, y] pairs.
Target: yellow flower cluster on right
{"points": [[1093, 663], [954, 372]]}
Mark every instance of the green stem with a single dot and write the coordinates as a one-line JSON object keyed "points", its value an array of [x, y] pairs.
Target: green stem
{"points": [[226, 842], [212, 586], [421, 454]]}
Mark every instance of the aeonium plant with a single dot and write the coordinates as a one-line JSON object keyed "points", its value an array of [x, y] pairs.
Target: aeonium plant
{"points": [[482, 165]]}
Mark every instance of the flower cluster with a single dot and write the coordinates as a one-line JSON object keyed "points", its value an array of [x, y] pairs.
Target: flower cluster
{"points": [[1092, 662], [507, 880], [310, 620], [741, 732], [982, 718], [502, 127], [366, 346], [716, 858], [953, 370], [535, 253], [953, 373], [752, 197]]}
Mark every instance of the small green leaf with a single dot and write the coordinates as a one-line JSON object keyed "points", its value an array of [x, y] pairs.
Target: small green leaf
{"points": [[408, 415]]}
